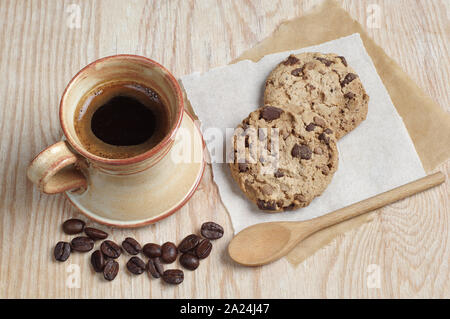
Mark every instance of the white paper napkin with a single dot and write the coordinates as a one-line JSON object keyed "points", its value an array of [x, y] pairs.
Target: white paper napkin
{"points": [[375, 157]]}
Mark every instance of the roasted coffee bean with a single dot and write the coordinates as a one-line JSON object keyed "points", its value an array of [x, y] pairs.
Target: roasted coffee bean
{"points": [[203, 249], [62, 251], [136, 265], [110, 249], [155, 267], [189, 261], [169, 252], [82, 244], [189, 243], [131, 246], [95, 234], [270, 113], [111, 269], [173, 276], [152, 250], [98, 261], [73, 226], [212, 230]]}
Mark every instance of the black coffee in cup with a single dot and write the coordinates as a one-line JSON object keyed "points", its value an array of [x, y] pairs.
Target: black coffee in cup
{"points": [[121, 120]]}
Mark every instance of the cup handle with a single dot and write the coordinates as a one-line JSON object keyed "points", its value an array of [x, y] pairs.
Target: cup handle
{"points": [[51, 173]]}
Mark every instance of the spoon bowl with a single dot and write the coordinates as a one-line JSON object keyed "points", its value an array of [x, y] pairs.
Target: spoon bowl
{"points": [[260, 244]]}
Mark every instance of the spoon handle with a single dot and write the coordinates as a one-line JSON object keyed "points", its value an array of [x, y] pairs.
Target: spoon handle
{"points": [[377, 201]]}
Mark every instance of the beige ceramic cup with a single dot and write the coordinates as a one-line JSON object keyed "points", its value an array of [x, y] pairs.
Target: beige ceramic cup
{"points": [[125, 192]]}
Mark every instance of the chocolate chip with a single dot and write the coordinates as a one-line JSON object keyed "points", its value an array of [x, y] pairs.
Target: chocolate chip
{"points": [[291, 60], [349, 95], [310, 127], [266, 205], [325, 61], [348, 78], [243, 167], [297, 72], [328, 131], [344, 62], [302, 151], [289, 207], [270, 113], [323, 137], [325, 170], [278, 174], [319, 121], [267, 190]]}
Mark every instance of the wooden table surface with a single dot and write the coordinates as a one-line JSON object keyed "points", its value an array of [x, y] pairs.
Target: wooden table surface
{"points": [[44, 43]]}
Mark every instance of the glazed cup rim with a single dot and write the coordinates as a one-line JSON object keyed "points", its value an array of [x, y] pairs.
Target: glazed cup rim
{"points": [[152, 151]]}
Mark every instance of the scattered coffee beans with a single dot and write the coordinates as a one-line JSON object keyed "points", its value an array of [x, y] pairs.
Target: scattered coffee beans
{"points": [[131, 246], [169, 252], [189, 261], [203, 249], [192, 247], [95, 234], [62, 251], [152, 250], [173, 276], [155, 268], [111, 269], [82, 244], [98, 261], [189, 243], [212, 230], [110, 249], [135, 265], [73, 226]]}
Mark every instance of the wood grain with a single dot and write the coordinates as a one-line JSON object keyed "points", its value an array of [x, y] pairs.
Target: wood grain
{"points": [[408, 242]]}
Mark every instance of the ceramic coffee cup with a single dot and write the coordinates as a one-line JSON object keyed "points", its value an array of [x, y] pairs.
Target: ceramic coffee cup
{"points": [[126, 192]]}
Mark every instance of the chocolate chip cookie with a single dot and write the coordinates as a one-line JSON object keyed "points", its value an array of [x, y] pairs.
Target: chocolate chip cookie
{"points": [[326, 83], [283, 157]]}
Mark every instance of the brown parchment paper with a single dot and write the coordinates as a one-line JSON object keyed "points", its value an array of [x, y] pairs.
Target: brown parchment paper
{"points": [[427, 123]]}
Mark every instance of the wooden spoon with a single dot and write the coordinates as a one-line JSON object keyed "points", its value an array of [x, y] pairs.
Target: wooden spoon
{"points": [[263, 243]]}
